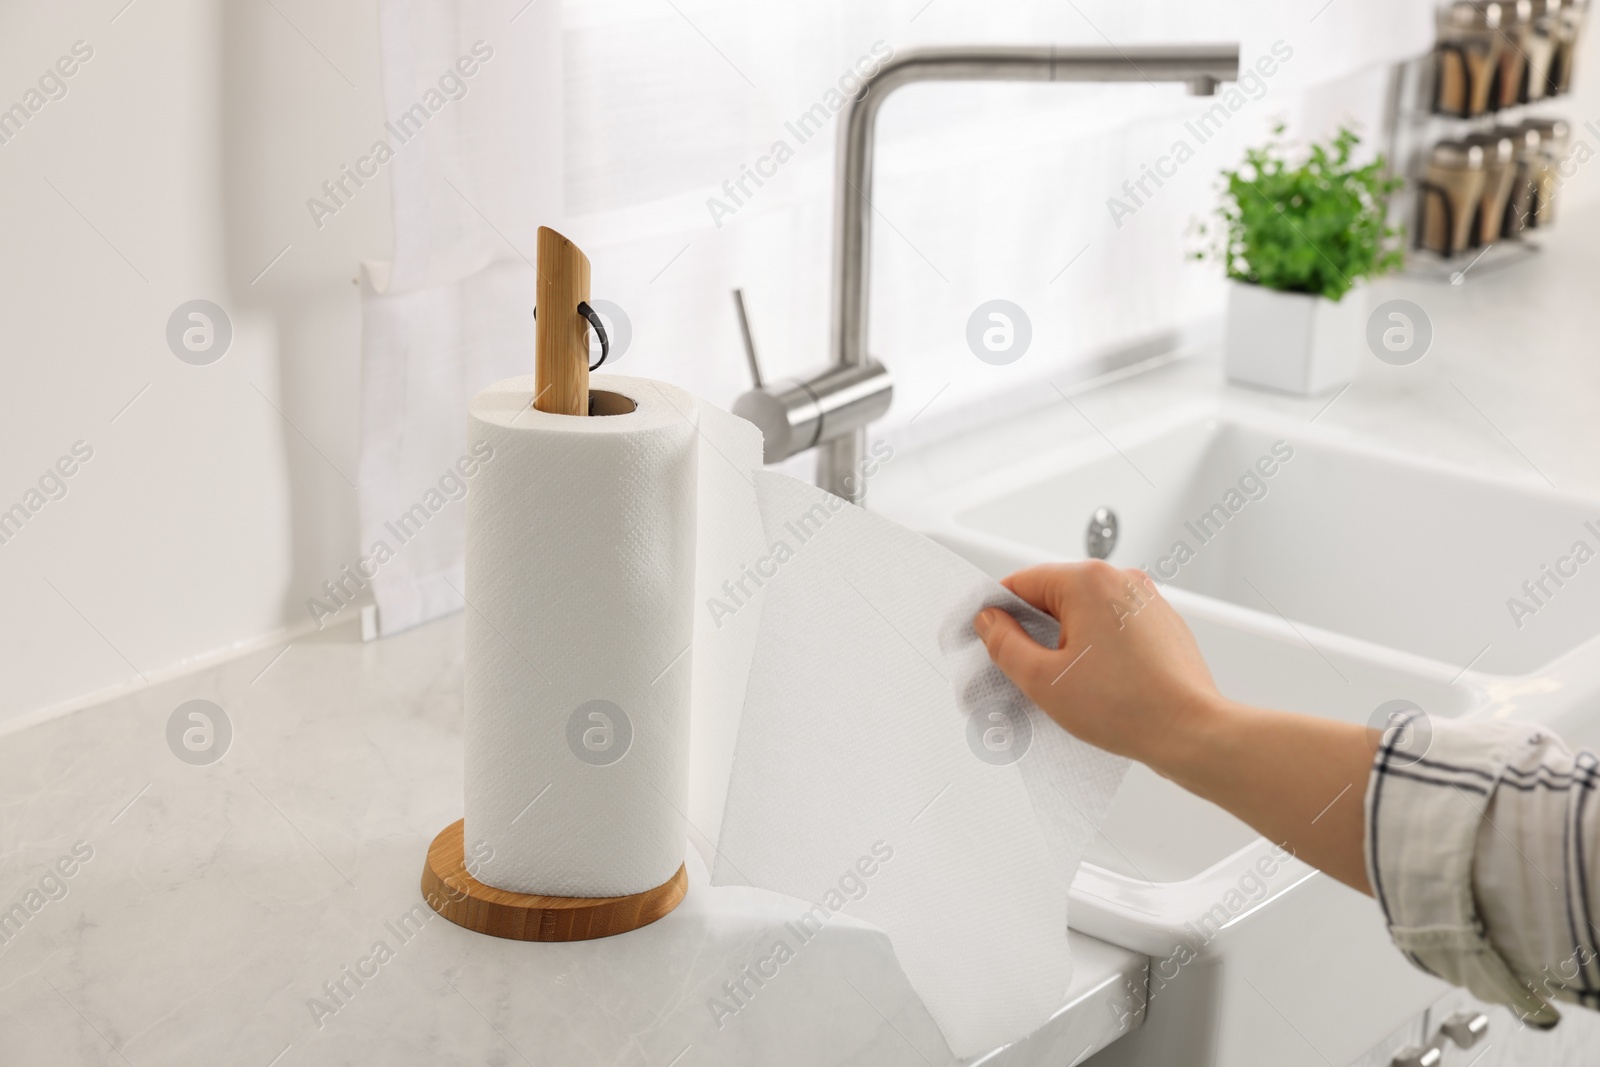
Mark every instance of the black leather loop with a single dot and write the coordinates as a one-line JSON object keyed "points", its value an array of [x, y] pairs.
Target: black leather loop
{"points": [[599, 328]]}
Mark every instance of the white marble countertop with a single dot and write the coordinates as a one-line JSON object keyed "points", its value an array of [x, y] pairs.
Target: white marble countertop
{"points": [[197, 912]]}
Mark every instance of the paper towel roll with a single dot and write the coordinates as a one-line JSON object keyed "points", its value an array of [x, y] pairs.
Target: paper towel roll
{"points": [[580, 567]]}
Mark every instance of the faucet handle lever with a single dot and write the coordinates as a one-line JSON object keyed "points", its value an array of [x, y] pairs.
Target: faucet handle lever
{"points": [[1465, 1028], [749, 339]]}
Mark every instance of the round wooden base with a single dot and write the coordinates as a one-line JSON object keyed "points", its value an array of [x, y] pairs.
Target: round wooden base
{"points": [[465, 901]]}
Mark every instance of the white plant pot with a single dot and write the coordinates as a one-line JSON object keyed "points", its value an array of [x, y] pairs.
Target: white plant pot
{"points": [[1293, 342]]}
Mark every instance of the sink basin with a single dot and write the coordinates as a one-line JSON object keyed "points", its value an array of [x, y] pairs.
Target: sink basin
{"points": [[1319, 576], [1403, 554]]}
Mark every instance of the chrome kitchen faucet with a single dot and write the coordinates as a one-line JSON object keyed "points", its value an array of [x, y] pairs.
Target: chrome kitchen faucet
{"points": [[831, 408]]}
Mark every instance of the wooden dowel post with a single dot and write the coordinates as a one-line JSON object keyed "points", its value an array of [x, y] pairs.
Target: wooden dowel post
{"points": [[561, 335]]}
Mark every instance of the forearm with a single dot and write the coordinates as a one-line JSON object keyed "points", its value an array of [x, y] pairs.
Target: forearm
{"points": [[1297, 779]]}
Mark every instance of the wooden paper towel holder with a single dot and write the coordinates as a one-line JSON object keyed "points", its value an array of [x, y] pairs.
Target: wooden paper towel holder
{"points": [[465, 901], [561, 387]]}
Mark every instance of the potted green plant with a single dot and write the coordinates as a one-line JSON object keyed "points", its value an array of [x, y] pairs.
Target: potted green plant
{"points": [[1297, 239]]}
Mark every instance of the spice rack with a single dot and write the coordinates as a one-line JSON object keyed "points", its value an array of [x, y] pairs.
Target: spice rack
{"points": [[1475, 128]]}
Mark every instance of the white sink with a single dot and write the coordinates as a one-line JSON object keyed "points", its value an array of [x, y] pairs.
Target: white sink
{"points": [[1344, 578], [1413, 556]]}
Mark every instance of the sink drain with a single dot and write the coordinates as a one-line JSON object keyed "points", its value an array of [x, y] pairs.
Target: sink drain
{"points": [[1101, 536]]}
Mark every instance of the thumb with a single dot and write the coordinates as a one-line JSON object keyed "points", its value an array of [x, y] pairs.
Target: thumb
{"points": [[1018, 655]]}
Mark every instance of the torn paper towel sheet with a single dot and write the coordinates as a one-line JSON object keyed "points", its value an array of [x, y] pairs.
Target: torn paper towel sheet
{"points": [[801, 693], [863, 748], [728, 607]]}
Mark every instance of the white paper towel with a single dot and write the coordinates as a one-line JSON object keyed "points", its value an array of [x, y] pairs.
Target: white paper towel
{"points": [[646, 561], [875, 724]]}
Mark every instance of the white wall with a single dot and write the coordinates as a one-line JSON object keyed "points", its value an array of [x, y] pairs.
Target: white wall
{"points": [[176, 167]]}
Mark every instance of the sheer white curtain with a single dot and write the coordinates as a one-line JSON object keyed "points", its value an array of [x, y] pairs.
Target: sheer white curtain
{"points": [[632, 126], [473, 96]]}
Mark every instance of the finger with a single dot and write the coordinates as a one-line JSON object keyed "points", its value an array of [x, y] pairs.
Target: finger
{"points": [[1038, 585], [1019, 656], [1052, 587]]}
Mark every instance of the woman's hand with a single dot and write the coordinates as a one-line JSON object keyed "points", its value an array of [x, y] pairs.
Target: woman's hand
{"points": [[1130, 679], [1128, 676]]}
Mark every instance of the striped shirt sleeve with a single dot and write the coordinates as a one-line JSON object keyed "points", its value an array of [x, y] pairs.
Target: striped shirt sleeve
{"points": [[1483, 851]]}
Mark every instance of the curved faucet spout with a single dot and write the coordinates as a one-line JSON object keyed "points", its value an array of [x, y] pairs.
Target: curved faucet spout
{"points": [[1201, 68]]}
